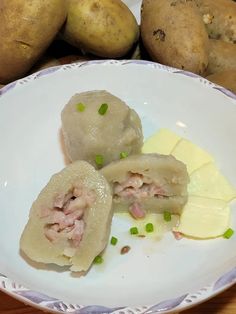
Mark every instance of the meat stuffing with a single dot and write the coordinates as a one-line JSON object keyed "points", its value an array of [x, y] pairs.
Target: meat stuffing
{"points": [[137, 187], [65, 220]]}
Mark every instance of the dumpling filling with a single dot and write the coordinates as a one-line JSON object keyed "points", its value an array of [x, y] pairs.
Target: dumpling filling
{"points": [[66, 219], [136, 188]]}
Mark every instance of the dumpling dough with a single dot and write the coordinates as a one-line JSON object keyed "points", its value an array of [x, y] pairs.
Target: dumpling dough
{"points": [[70, 221], [148, 182], [88, 133]]}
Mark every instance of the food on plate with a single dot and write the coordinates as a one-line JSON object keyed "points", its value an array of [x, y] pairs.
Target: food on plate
{"points": [[147, 182], [225, 78], [219, 17], [99, 127], [173, 33], [26, 30], [207, 181], [162, 142], [204, 218], [206, 213], [106, 28], [222, 56], [69, 223], [191, 155]]}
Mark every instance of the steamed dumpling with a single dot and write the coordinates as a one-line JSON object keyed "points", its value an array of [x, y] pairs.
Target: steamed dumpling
{"points": [[89, 134], [70, 221], [148, 182]]}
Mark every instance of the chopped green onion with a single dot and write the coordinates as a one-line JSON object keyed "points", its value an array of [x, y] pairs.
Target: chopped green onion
{"points": [[167, 216], [133, 230], [80, 107], [99, 160], [149, 227], [114, 240], [123, 155], [228, 233], [103, 109], [98, 260]]}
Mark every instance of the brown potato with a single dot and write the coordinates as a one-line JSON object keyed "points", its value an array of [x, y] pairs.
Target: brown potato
{"points": [[106, 28], [225, 78], [219, 17], [222, 56], [174, 34], [26, 30]]}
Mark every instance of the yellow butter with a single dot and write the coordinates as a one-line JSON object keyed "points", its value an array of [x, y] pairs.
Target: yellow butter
{"points": [[204, 218], [162, 142], [207, 181], [191, 155]]}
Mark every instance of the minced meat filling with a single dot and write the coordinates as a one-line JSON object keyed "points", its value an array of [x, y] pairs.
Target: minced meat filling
{"points": [[65, 219]]}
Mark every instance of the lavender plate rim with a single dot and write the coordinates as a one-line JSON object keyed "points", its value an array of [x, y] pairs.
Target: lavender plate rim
{"points": [[180, 303]]}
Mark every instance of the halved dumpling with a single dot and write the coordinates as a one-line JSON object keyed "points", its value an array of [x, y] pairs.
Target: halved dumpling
{"points": [[148, 182], [70, 221]]}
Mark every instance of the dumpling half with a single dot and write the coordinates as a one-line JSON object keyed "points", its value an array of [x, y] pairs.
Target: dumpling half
{"points": [[70, 221], [148, 182]]}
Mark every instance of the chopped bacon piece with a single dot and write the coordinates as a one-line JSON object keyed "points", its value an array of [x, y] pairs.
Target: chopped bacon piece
{"points": [[136, 211]]}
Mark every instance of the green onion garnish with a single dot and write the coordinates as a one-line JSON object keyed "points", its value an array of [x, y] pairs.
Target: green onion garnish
{"points": [[99, 160], [123, 155], [98, 260], [133, 230], [149, 227], [80, 107], [167, 216], [103, 109], [228, 233], [114, 240]]}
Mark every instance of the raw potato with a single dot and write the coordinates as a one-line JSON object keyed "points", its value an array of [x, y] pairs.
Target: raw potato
{"points": [[26, 30], [106, 28], [219, 17], [174, 34], [222, 56], [225, 78]]}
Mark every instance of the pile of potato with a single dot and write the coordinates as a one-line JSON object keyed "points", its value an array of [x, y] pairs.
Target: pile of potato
{"points": [[194, 35]]}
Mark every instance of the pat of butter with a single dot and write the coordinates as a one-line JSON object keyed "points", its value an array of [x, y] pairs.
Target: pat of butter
{"points": [[207, 181], [191, 155], [162, 142], [204, 218]]}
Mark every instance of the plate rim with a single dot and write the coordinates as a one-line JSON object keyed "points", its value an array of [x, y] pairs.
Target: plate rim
{"points": [[55, 305]]}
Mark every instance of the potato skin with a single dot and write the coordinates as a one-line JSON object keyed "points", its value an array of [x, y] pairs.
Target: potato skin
{"points": [[26, 30], [173, 33], [225, 78], [219, 17], [222, 56], [106, 28]]}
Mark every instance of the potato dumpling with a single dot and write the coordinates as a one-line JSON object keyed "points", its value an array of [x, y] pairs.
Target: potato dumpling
{"points": [[99, 128], [26, 30], [70, 220], [173, 34], [106, 28]]}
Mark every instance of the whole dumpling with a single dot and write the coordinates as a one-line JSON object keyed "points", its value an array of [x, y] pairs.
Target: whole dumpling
{"points": [[148, 183], [100, 136], [69, 223]]}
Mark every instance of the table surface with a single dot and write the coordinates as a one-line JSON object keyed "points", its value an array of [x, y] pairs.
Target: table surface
{"points": [[224, 303]]}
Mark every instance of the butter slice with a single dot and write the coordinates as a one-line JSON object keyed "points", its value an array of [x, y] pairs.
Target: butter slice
{"points": [[191, 155], [162, 142], [204, 218], [207, 181]]}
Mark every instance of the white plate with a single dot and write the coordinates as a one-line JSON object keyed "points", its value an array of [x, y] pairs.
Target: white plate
{"points": [[182, 272]]}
